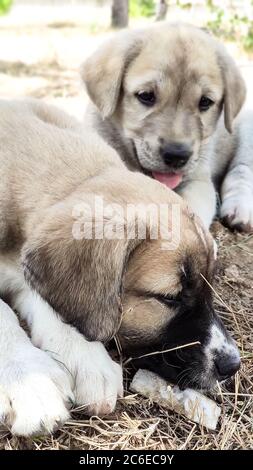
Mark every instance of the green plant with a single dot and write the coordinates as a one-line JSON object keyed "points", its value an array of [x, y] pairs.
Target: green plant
{"points": [[5, 6], [184, 5], [139, 8], [215, 24], [248, 39]]}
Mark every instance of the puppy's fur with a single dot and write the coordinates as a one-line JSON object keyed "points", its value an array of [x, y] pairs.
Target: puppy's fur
{"points": [[179, 64], [77, 292]]}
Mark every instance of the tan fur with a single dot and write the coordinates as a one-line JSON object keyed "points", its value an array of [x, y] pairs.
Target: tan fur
{"points": [[148, 275], [47, 166], [180, 63]]}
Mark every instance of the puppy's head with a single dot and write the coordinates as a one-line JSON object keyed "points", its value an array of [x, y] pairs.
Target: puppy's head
{"points": [[165, 87], [169, 325], [150, 288]]}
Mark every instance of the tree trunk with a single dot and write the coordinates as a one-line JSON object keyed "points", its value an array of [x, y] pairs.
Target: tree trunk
{"points": [[120, 13], [162, 8]]}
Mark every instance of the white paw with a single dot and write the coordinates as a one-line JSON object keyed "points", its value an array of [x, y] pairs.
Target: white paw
{"points": [[95, 379], [34, 393], [98, 379], [237, 212]]}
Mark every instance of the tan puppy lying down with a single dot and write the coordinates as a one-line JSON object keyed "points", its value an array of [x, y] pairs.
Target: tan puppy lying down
{"points": [[78, 274]]}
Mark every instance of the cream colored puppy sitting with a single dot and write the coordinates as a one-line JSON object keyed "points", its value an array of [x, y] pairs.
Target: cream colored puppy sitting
{"points": [[167, 98]]}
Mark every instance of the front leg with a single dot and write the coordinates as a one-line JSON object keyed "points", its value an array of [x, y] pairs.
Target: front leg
{"points": [[96, 378], [237, 198], [201, 198], [237, 187], [34, 390]]}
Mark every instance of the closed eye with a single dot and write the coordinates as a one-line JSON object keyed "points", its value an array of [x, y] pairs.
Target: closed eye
{"points": [[171, 301]]}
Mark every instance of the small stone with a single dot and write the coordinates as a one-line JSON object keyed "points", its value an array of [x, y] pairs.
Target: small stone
{"points": [[232, 272]]}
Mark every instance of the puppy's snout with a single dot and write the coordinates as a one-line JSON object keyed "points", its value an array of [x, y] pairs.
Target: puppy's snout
{"points": [[226, 366], [175, 154], [222, 353]]}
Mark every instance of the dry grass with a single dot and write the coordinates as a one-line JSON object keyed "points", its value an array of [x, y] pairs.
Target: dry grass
{"points": [[139, 424]]}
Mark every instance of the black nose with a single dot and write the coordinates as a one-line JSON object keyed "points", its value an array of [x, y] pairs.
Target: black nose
{"points": [[226, 366], [175, 154]]}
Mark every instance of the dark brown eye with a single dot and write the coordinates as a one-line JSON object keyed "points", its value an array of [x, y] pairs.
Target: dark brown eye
{"points": [[147, 98], [205, 103]]}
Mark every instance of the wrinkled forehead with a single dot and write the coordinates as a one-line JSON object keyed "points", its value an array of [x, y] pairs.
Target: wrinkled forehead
{"points": [[179, 60]]}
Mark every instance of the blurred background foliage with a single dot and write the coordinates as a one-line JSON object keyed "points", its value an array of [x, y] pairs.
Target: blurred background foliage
{"points": [[5, 6], [139, 8], [43, 42], [228, 19], [234, 22], [231, 20]]}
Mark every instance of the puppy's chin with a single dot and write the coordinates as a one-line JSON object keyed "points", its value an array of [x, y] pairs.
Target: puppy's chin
{"points": [[151, 164]]}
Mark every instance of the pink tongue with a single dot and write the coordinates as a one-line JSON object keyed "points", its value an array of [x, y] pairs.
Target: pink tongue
{"points": [[171, 180]]}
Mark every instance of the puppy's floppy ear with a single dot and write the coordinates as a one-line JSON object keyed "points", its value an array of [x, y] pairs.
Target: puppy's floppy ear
{"points": [[80, 279], [102, 72], [234, 87]]}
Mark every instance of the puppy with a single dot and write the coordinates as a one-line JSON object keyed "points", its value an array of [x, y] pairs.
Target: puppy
{"points": [[138, 266], [166, 98]]}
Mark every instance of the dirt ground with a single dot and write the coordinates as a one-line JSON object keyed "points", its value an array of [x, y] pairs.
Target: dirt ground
{"points": [[41, 59]]}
